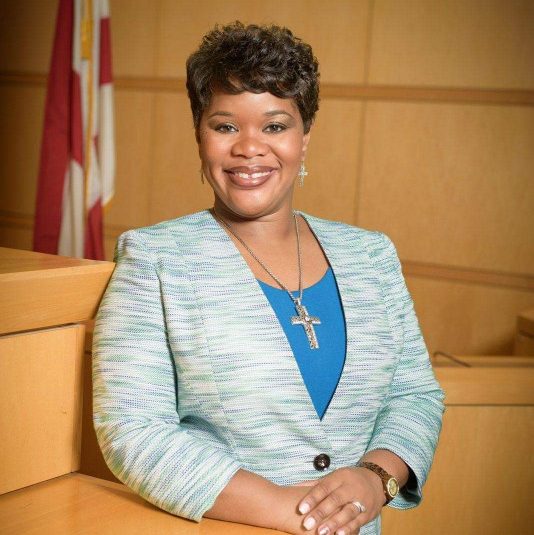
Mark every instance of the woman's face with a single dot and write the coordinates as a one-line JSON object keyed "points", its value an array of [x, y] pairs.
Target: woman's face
{"points": [[251, 146]]}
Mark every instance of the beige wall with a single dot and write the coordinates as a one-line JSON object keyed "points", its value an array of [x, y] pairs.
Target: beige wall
{"points": [[425, 132]]}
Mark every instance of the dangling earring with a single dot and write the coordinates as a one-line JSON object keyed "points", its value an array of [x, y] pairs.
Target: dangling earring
{"points": [[302, 174], [201, 173]]}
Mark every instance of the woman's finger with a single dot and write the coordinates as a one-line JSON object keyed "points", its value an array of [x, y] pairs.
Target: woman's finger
{"points": [[317, 494], [351, 528], [333, 502], [339, 521]]}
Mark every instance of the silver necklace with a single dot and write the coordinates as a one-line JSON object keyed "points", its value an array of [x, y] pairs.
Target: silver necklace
{"points": [[302, 317]]}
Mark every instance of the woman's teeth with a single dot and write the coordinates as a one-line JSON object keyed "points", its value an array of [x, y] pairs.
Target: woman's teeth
{"points": [[251, 176]]}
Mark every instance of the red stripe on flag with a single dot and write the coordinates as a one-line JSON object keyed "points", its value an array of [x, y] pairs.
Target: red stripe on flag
{"points": [[94, 246], [105, 52], [55, 144]]}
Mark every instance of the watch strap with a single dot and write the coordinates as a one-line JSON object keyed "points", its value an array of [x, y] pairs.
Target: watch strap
{"points": [[391, 488]]}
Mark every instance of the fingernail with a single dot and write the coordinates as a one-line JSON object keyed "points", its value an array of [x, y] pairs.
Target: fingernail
{"points": [[340, 532], [304, 508], [324, 531], [309, 523]]}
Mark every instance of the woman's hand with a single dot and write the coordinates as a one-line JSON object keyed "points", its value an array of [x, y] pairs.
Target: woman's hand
{"points": [[329, 509]]}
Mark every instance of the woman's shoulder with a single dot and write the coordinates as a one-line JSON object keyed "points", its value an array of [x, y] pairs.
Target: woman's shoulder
{"points": [[185, 222], [187, 226], [166, 238], [373, 240], [369, 247]]}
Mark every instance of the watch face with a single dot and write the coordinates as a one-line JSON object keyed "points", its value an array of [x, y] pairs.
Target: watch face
{"points": [[393, 487]]}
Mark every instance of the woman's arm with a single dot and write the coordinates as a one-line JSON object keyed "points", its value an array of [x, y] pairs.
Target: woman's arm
{"points": [[251, 499], [391, 463], [135, 406], [409, 423]]}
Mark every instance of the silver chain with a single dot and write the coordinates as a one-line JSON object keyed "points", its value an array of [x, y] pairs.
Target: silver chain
{"points": [[296, 300]]}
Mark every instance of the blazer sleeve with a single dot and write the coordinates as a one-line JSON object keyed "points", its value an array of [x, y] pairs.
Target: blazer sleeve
{"points": [[135, 397], [409, 422]]}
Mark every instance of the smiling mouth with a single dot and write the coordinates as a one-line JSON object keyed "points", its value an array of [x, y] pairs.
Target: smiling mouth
{"points": [[249, 177]]}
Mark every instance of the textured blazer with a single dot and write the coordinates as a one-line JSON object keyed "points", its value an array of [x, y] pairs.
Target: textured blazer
{"points": [[194, 377]]}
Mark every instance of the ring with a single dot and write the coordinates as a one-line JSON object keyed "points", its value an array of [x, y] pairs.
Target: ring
{"points": [[361, 508]]}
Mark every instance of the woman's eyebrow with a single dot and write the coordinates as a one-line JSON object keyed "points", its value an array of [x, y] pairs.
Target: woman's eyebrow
{"points": [[270, 113], [277, 112], [223, 113]]}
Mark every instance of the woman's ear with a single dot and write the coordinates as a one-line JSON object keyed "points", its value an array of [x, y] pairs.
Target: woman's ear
{"points": [[305, 142]]}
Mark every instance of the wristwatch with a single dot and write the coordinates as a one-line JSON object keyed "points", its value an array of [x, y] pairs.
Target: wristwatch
{"points": [[389, 483]]}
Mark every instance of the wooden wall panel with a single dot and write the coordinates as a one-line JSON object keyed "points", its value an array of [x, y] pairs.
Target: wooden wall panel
{"points": [[134, 36], [451, 184], [482, 452], [478, 43], [175, 180], [134, 115], [468, 319], [340, 43], [27, 30], [332, 162], [16, 238], [22, 111]]}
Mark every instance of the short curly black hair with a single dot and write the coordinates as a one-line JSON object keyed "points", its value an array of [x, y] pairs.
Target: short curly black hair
{"points": [[235, 58]]}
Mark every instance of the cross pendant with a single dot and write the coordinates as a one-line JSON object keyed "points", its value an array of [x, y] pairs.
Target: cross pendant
{"points": [[307, 322]]}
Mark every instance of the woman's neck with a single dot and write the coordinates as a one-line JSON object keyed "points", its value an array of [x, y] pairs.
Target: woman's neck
{"points": [[276, 226]]}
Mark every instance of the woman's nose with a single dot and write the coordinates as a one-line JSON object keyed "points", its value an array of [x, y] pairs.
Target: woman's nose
{"points": [[249, 146]]}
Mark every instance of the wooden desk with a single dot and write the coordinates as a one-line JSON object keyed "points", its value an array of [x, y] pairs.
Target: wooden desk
{"points": [[44, 300], [41, 290], [77, 504]]}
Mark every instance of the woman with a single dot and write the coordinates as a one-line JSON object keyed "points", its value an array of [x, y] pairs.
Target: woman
{"points": [[252, 363]]}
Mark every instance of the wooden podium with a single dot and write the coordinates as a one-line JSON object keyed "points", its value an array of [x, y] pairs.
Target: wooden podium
{"points": [[480, 481], [44, 302]]}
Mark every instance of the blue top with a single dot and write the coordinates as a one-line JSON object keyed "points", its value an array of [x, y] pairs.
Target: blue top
{"points": [[320, 368]]}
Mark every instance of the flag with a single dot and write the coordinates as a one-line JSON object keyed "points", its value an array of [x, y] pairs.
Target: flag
{"points": [[77, 165]]}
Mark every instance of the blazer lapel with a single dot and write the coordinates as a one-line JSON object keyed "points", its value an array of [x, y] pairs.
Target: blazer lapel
{"points": [[370, 357]]}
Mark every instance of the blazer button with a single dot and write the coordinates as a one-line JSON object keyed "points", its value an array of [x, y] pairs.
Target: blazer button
{"points": [[321, 462]]}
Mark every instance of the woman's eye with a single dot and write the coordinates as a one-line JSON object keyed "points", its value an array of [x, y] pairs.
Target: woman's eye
{"points": [[224, 128], [275, 128]]}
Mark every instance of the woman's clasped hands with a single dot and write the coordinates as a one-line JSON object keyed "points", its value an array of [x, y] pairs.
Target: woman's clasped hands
{"points": [[341, 502]]}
